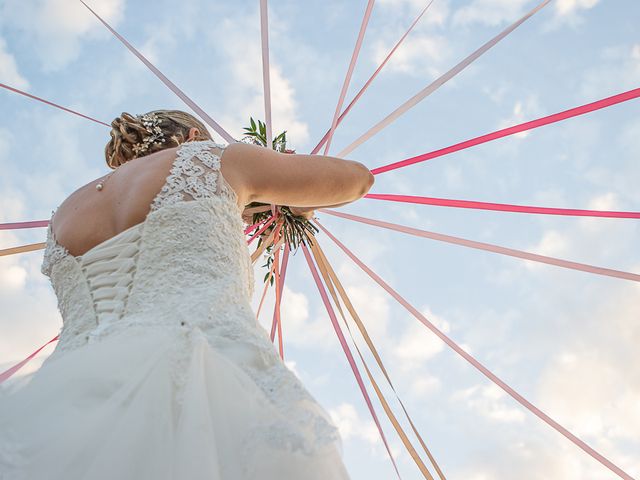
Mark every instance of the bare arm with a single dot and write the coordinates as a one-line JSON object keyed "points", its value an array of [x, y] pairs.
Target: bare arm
{"points": [[307, 181]]}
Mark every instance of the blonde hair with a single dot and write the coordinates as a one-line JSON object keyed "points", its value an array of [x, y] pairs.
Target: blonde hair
{"points": [[128, 131]]}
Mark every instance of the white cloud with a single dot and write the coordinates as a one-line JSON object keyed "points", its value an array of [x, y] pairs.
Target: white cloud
{"points": [[58, 28], [489, 12], [9, 69], [491, 402], [417, 344], [616, 69], [523, 110], [403, 10], [421, 54], [245, 92], [568, 11], [352, 426]]}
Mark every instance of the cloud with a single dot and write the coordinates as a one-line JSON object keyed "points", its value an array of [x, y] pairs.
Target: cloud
{"points": [[345, 416], [9, 69], [523, 110], [245, 92], [491, 402], [616, 69], [489, 12], [420, 54], [568, 11], [57, 29]]}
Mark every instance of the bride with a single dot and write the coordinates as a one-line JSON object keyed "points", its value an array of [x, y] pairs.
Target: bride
{"points": [[161, 370]]}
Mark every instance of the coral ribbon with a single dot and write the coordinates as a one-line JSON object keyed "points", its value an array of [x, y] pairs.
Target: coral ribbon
{"points": [[347, 352], [522, 127], [490, 247], [503, 207], [479, 366], [435, 85]]}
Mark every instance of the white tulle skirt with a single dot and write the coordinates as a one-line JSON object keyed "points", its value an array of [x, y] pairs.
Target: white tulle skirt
{"points": [[108, 411]]}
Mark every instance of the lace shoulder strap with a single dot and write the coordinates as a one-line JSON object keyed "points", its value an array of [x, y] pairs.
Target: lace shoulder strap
{"points": [[195, 174]]}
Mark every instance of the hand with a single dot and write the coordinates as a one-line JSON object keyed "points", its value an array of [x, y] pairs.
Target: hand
{"points": [[306, 212]]}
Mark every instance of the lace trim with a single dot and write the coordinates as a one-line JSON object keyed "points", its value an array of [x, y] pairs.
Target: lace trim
{"points": [[186, 178], [195, 174], [53, 251]]}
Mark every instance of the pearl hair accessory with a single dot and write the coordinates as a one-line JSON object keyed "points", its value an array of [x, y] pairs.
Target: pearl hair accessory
{"points": [[152, 124]]}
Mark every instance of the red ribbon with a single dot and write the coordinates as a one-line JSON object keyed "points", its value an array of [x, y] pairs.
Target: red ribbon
{"points": [[503, 207], [8, 373], [556, 117]]}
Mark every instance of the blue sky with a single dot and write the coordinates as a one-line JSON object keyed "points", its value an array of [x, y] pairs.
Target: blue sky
{"points": [[566, 340]]}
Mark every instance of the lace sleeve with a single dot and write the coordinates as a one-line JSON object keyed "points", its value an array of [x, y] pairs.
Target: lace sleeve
{"points": [[195, 174]]}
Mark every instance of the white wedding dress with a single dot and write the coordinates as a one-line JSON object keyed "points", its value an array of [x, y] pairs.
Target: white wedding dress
{"points": [[162, 371]]}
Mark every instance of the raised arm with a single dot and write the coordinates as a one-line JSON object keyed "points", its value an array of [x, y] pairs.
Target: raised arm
{"points": [[264, 175]]}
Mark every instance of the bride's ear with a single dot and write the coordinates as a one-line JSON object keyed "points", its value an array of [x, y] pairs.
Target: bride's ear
{"points": [[193, 134]]}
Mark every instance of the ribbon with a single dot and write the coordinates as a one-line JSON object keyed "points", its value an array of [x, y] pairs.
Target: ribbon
{"points": [[8, 373], [264, 35], [522, 127], [347, 78], [17, 225], [491, 248], [479, 366], [276, 322], [264, 290], [173, 87], [22, 249], [331, 279], [503, 207], [347, 352], [269, 221], [428, 90], [368, 82], [39, 99]]}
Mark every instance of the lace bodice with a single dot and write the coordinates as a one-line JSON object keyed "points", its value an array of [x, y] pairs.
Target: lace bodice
{"points": [[186, 269]]}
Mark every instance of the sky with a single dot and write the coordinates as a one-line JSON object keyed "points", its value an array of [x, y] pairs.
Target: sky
{"points": [[566, 340]]}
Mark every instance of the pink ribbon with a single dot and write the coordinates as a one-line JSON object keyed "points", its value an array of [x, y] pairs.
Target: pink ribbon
{"points": [[368, 82], [479, 366], [8, 373], [266, 80], [428, 90], [264, 227], [556, 117], [490, 247], [347, 78], [174, 88], [53, 104], [345, 348], [276, 312], [503, 207], [30, 224]]}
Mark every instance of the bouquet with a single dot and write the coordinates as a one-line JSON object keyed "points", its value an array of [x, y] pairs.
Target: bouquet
{"points": [[293, 229]]}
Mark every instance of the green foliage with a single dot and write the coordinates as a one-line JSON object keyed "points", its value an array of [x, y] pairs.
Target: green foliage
{"points": [[296, 230]]}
